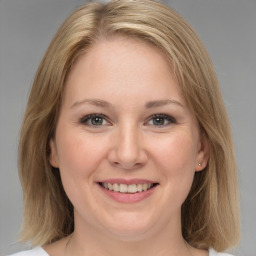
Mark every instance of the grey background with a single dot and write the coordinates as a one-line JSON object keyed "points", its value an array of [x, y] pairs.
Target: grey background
{"points": [[227, 28]]}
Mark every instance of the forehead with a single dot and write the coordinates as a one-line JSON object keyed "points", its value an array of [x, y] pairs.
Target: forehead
{"points": [[122, 65]]}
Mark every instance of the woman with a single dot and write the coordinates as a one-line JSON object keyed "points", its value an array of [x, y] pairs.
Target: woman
{"points": [[126, 146]]}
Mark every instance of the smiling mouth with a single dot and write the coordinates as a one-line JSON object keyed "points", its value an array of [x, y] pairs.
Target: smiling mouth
{"points": [[127, 188]]}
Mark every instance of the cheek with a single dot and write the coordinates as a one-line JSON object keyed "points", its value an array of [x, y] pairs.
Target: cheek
{"points": [[175, 158], [79, 155], [178, 152], [79, 158]]}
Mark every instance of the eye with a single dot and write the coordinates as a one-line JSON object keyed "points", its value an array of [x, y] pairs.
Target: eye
{"points": [[161, 120], [94, 120]]}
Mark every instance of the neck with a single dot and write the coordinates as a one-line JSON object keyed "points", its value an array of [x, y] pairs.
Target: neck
{"points": [[167, 242]]}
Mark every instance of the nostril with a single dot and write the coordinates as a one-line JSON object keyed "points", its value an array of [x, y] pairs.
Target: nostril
{"points": [[126, 157], [127, 166]]}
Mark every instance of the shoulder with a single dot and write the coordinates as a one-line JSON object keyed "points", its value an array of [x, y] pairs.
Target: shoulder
{"points": [[38, 251], [214, 253]]}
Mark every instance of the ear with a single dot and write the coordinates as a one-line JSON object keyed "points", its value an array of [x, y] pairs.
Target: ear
{"points": [[203, 153], [53, 158]]}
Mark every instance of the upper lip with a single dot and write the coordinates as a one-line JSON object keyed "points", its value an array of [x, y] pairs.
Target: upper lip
{"points": [[127, 181]]}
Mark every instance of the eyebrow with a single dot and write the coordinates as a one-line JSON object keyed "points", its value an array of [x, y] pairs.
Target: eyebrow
{"points": [[104, 104], [95, 102], [160, 103]]}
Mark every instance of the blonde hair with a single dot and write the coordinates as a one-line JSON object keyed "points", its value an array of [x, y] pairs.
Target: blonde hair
{"points": [[210, 216]]}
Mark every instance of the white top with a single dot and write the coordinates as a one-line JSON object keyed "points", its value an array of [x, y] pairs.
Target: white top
{"points": [[39, 251]]}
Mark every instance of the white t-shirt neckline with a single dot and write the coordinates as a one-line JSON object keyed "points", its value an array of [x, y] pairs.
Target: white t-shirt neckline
{"points": [[39, 251]]}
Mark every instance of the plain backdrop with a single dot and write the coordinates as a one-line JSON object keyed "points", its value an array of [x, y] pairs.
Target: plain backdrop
{"points": [[228, 29]]}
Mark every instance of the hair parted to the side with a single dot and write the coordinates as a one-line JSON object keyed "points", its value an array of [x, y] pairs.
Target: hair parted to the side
{"points": [[210, 216]]}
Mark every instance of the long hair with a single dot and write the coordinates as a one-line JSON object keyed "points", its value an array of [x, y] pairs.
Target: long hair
{"points": [[210, 216]]}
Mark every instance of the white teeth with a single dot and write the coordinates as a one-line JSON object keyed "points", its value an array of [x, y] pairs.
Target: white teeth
{"points": [[132, 188], [139, 187], [144, 187], [125, 188], [116, 187]]}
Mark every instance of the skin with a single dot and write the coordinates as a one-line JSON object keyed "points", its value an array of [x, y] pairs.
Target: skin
{"points": [[128, 82]]}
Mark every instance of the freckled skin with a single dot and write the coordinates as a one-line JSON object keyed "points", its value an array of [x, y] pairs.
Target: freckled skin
{"points": [[127, 74]]}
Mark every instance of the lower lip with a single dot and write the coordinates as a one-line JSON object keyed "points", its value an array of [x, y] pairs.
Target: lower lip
{"points": [[128, 197]]}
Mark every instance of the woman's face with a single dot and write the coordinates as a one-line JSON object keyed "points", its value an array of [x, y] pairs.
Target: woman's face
{"points": [[126, 144]]}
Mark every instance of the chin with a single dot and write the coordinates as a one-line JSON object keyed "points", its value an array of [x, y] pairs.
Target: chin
{"points": [[131, 227]]}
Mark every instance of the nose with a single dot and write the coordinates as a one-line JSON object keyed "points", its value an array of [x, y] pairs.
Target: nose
{"points": [[127, 150]]}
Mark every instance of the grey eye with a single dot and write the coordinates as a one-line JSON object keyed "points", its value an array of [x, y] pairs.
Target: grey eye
{"points": [[161, 120], [94, 120]]}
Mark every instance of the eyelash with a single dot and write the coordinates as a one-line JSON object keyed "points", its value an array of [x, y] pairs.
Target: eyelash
{"points": [[170, 120], [85, 119], [88, 118]]}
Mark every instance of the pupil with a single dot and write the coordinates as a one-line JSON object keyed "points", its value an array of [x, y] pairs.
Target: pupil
{"points": [[97, 121], [159, 121]]}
